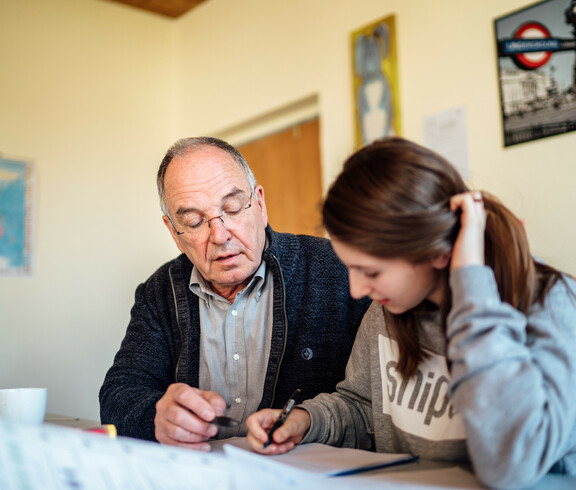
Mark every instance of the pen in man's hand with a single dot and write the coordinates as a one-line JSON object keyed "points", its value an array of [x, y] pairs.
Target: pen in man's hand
{"points": [[285, 412]]}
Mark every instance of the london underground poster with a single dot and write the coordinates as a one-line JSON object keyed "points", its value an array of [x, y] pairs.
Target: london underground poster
{"points": [[536, 49]]}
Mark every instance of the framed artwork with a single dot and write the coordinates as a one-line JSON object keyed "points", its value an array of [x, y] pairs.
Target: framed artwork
{"points": [[537, 70], [375, 68], [16, 206]]}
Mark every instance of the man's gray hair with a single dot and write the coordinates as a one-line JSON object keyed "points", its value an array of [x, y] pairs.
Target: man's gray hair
{"points": [[186, 145]]}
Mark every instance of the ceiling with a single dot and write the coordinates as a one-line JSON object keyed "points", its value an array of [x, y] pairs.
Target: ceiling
{"points": [[169, 8]]}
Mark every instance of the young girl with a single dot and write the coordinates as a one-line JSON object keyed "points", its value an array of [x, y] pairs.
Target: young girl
{"points": [[468, 352]]}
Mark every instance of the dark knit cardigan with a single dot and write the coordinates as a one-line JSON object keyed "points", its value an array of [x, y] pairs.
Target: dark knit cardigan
{"points": [[314, 325]]}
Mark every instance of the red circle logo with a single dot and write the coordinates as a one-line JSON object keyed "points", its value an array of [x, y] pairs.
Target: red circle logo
{"points": [[533, 60]]}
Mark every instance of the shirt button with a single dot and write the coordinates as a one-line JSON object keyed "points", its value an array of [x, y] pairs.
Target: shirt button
{"points": [[238, 400], [235, 357], [234, 312]]}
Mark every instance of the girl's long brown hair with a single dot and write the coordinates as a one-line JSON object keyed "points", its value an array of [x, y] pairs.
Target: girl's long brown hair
{"points": [[391, 200]]}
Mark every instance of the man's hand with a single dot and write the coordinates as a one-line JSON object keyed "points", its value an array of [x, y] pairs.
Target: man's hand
{"points": [[284, 438], [183, 416]]}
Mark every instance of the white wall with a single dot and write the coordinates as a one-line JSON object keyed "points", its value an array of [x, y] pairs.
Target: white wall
{"points": [[87, 91], [95, 92]]}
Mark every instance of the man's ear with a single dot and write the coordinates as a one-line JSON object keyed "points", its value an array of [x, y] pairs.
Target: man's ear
{"points": [[441, 261], [259, 193], [172, 231]]}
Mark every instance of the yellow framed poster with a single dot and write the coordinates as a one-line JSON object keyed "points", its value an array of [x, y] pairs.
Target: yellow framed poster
{"points": [[375, 68]]}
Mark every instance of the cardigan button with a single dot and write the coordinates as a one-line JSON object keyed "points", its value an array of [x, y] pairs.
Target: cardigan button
{"points": [[307, 353]]}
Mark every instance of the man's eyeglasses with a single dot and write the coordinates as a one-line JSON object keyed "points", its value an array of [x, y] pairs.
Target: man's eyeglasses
{"points": [[230, 215]]}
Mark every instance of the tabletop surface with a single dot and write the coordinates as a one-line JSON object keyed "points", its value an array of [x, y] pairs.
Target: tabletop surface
{"points": [[422, 474], [419, 474], [68, 421]]}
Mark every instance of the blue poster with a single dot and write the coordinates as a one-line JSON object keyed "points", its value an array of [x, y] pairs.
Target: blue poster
{"points": [[15, 216]]}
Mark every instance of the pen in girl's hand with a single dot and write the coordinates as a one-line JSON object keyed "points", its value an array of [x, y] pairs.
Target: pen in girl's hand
{"points": [[285, 412]]}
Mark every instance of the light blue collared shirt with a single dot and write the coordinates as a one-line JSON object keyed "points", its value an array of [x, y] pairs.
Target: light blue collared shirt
{"points": [[235, 344]]}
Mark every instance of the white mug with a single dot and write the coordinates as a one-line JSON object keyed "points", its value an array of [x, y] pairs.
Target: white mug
{"points": [[26, 405]]}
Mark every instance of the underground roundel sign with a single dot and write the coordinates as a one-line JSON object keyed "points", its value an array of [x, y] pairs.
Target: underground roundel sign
{"points": [[531, 46]]}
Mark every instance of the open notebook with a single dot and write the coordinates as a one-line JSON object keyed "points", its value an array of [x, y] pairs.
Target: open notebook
{"points": [[327, 460]]}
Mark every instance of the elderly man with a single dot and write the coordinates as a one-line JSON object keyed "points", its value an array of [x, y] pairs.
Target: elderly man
{"points": [[238, 321]]}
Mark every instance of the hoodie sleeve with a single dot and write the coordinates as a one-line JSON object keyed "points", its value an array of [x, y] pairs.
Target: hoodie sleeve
{"points": [[513, 377]]}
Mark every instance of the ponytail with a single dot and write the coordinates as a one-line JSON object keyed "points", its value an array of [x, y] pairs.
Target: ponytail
{"points": [[521, 280]]}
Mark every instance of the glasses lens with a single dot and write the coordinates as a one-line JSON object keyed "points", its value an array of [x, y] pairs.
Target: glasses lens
{"points": [[231, 215]]}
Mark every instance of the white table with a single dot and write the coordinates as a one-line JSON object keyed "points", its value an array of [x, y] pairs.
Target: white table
{"points": [[422, 474], [68, 421]]}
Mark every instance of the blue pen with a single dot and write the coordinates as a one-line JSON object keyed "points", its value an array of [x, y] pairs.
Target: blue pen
{"points": [[285, 412]]}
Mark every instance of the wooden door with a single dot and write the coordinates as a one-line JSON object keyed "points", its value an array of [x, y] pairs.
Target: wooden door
{"points": [[287, 165]]}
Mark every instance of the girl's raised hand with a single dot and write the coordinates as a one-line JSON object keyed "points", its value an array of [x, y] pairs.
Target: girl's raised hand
{"points": [[469, 246]]}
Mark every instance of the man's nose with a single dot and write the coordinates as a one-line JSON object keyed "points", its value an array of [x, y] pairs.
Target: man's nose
{"points": [[218, 231]]}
